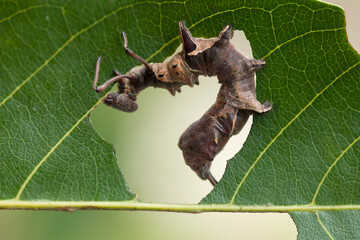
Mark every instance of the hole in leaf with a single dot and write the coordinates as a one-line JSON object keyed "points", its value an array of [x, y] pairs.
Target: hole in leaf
{"points": [[146, 140]]}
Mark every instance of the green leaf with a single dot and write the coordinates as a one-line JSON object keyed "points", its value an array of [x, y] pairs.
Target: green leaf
{"points": [[301, 157]]}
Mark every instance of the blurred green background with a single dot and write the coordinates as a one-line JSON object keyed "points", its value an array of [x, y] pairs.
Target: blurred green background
{"points": [[146, 147]]}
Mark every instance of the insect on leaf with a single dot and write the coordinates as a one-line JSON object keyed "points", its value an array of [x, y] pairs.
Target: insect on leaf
{"points": [[304, 154]]}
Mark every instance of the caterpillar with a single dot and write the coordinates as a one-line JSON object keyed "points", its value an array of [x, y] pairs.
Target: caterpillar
{"points": [[235, 102]]}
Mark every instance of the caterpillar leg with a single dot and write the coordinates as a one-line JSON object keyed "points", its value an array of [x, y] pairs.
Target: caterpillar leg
{"points": [[102, 87], [240, 96], [134, 55]]}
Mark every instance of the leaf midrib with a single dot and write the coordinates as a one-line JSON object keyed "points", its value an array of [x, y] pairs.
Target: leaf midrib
{"points": [[189, 208]]}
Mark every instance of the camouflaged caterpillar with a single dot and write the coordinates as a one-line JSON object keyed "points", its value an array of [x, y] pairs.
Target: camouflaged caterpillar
{"points": [[235, 102]]}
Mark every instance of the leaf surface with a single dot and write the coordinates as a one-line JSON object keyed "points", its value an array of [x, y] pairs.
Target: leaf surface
{"points": [[305, 152]]}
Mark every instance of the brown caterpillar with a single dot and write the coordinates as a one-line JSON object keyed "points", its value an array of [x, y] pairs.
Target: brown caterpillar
{"points": [[235, 102]]}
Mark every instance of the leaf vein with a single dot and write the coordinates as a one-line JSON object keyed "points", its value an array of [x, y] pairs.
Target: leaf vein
{"points": [[323, 226], [330, 168], [300, 36], [26, 10]]}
